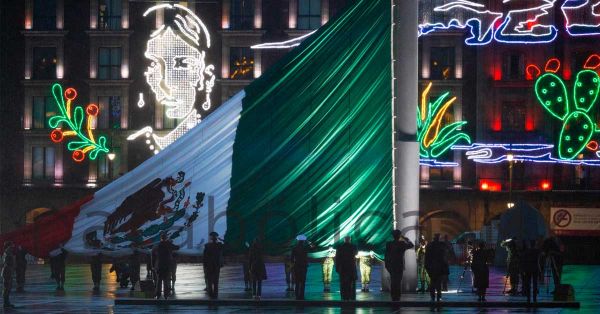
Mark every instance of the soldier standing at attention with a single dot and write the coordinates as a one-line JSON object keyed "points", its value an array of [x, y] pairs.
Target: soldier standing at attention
{"points": [[289, 273], [58, 258], [436, 265], [394, 261], [20, 268], [96, 268], [134, 264], [328, 269], [213, 260], [345, 265], [299, 259], [164, 253], [8, 268]]}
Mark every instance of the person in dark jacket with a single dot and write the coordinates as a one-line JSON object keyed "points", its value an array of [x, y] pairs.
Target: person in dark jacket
{"points": [[530, 266], [20, 268], [257, 269], [162, 265], [481, 270], [8, 268], [134, 268], [96, 268], [394, 261], [345, 266], [213, 261], [436, 266], [149, 270], [299, 260]]}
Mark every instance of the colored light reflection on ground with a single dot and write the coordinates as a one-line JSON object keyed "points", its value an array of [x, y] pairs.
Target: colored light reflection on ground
{"points": [[78, 298]]}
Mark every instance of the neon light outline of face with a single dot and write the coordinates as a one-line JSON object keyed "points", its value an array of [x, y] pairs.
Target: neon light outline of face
{"points": [[175, 72]]}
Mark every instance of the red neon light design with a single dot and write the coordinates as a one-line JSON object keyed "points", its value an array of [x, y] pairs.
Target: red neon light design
{"points": [[56, 136], [532, 72], [92, 110], [592, 62], [593, 146], [70, 93], [567, 73], [553, 65], [78, 155], [531, 24], [491, 186]]}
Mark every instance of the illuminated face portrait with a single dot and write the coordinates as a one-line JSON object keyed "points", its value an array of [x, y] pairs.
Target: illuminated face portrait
{"points": [[176, 70]]}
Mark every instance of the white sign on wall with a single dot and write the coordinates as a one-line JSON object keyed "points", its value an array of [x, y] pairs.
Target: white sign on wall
{"points": [[575, 221]]}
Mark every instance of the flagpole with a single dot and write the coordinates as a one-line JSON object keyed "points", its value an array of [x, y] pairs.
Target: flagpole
{"points": [[406, 148]]}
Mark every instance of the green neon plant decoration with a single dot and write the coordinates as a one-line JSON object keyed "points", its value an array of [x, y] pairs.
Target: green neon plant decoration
{"points": [[434, 137], [578, 127], [83, 143]]}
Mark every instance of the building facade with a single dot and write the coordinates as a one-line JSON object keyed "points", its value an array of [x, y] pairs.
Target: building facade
{"points": [[100, 48]]}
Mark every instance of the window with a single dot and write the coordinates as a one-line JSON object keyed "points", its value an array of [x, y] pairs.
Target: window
{"points": [[441, 173], [242, 14], [44, 14], [109, 169], [110, 112], [241, 63], [109, 14], [44, 63], [109, 63], [513, 67], [514, 115], [43, 163], [309, 14], [442, 63], [43, 109]]}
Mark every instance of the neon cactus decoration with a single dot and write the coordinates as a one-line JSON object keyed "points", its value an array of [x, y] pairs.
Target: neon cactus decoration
{"points": [[84, 141], [434, 137], [578, 130]]}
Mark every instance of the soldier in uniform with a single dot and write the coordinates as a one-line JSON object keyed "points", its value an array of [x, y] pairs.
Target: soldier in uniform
{"points": [[512, 264], [58, 259], [8, 269], [258, 270], [394, 261], [345, 266], [436, 265], [246, 269], [365, 261], [299, 259], [134, 265], [213, 260], [162, 266], [328, 269], [173, 271], [531, 268], [481, 271], [421, 272], [96, 268], [21, 267]]}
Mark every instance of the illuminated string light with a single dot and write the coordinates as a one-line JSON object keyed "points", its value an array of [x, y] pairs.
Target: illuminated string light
{"points": [[177, 72], [283, 44], [581, 18], [434, 138], [84, 141]]}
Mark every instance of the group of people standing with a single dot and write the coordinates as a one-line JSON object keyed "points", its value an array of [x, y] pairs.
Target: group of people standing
{"points": [[527, 261]]}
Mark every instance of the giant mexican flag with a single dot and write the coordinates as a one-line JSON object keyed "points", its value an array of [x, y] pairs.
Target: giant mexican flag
{"points": [[306, 148]]}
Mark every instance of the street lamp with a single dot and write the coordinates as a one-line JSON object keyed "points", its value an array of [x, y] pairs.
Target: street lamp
{"points": [[510, 157]]}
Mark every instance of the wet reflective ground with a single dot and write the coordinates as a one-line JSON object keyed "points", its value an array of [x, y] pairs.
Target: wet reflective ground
{"points": [[41, 297]]}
